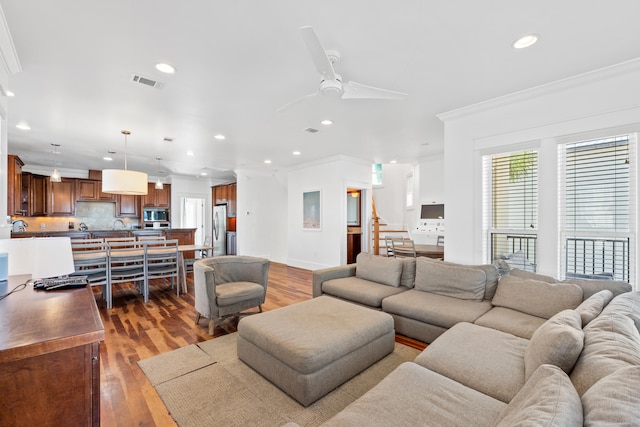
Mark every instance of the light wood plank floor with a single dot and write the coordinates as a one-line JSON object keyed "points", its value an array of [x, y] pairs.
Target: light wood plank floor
{"points": [[135, 331]]}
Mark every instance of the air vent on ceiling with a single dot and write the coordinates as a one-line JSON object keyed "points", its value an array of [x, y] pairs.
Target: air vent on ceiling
{"points": [[137, 78], [311, 130]]}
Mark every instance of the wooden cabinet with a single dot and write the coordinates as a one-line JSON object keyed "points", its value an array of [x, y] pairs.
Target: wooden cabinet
{"points": [[157, 198], [231, 199], [127, 206], [14, 185], [88, 190], [50, 357], [38, 195], [61, 197], [184, 236]]}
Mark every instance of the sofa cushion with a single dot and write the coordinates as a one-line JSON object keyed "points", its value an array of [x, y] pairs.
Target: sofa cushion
{"points": [[514, 322], [627, 304], [535, 297], [614, 399], [408, 276], [379, 269], [557, 342], [457, 282], [523, 274], [489, 361], [413, 395], [592, 306], [611, 342], [438, 310], [491, 271], [590, 287], [547, 399], [359, 290]]}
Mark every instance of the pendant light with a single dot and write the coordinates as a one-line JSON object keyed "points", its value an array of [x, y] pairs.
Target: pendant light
{"points": [[159, 184], [55, 175], [124, 181]]}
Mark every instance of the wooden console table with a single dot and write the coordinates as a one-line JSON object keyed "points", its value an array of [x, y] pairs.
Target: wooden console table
{"points": [[49, 357]]}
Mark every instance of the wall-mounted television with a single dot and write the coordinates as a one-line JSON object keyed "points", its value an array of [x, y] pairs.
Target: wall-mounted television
{"points": [[434, 211]]}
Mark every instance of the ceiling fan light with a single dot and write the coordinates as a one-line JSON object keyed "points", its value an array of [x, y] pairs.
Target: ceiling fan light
{"points": [[122, 181]]}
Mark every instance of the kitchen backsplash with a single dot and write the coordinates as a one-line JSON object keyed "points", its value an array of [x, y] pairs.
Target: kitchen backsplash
{"points": [[96, 215]]}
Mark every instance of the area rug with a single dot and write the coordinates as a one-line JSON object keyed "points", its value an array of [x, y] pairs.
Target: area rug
{"points": [[206, 384]]}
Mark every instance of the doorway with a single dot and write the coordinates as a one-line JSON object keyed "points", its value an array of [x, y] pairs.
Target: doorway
{"points": [[354, 224], [192, 216]]}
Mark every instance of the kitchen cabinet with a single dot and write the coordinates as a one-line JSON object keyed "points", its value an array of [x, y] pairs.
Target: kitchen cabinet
{"points": [[157, 198], [38, 195], [221, 194], [14, 185], [61, 197], [127, 206], [231, 199], [89, 190], [184, 236], [50, 357]]}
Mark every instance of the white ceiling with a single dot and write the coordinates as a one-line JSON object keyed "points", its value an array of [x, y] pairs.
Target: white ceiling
{"points": [[239, 61]]}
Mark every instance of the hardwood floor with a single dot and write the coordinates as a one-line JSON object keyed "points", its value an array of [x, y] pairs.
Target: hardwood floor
{"points": [[135, 331]]}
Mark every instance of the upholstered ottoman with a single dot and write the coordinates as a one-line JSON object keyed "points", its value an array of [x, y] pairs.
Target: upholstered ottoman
{"points": [[310, 348]]}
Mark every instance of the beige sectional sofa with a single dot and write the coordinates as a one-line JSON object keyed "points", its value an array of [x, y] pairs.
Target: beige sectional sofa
{"points": [[516, 350]]}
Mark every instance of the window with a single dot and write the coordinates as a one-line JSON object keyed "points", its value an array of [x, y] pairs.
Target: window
{"points": [[511, 207], [376, 174], [597, 208]]}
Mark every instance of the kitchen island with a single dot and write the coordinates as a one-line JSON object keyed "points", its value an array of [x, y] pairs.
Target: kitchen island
{"points": [[184, 236]]}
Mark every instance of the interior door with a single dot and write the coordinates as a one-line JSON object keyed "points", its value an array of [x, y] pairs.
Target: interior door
{"points": [[192, 216]]}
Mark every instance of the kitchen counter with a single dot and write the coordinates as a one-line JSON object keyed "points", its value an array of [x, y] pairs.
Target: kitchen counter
{"points": [[92, 232]]}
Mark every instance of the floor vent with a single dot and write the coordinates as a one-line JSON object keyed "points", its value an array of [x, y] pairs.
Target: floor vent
{"points": [[137, 78], [311, 130]]}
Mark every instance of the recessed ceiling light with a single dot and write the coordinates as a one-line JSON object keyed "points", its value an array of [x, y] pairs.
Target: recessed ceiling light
{"points": [[107, 158], [393, 162], [165, 68], [189, 153], [525, 41], [203, 173], [219, 137], [23, 126], [10, 94], [268, 161], [296, 153], [326, 122]]}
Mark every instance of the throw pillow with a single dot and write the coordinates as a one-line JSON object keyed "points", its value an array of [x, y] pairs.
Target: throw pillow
{"points": [[523, 274], [408, 276], [593, 306], [535, 297], [614, 399], [547, 399], [559, 342], [379, 269], [590, 287], [447, 280]]}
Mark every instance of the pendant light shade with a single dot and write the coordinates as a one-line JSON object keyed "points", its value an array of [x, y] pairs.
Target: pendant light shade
{"points": [[159, 184], [55, 176], [123, 181]]}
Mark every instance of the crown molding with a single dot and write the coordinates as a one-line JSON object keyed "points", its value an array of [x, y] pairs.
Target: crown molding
{"points": [[8, 55]]}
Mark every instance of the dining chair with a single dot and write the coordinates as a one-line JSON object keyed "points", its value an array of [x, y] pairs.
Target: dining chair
{"points": [[403, 248], [152, 237], [388, 242], [90, 259], [131, 241], [126, 264], [188, 262], [161, 262]]}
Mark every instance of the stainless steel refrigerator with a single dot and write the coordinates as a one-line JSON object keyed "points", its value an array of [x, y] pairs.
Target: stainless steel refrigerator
{"points": [[219, 230]]}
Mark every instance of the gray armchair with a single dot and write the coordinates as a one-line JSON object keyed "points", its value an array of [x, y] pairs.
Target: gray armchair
{"points": [[227, 285]]}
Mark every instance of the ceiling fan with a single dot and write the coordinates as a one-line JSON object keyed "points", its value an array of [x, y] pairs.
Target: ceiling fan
{"points": [[331, 83]]}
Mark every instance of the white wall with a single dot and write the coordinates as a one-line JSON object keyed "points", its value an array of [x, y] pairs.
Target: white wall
{"points": [[194, 188], [313, 249], [592, 104], [262, 215]]}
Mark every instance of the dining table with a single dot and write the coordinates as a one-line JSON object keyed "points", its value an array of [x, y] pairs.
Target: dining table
{"points": [[430, 251]]}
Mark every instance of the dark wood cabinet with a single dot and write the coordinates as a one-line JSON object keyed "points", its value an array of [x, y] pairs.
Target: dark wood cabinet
{"points": [[14, 185], [87, 190], [50, 366], [157, 198], [127, 206], [37, 194], [231, 199], [184, 236], [61, 197], [221, 194]]}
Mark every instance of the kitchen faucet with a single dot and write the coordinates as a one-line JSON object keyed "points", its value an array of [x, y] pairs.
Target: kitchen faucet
{"points": [[121, 222]]}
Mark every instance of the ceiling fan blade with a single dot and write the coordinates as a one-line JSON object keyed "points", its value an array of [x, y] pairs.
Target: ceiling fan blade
{"points": [[318, 54], [353, 90], [288, 105]]}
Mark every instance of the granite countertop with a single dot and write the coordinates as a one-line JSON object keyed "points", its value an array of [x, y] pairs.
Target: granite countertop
{"points": [[95, 230]]}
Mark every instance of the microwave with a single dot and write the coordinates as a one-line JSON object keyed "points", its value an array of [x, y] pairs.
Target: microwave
{"points": [[155, 214]]}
